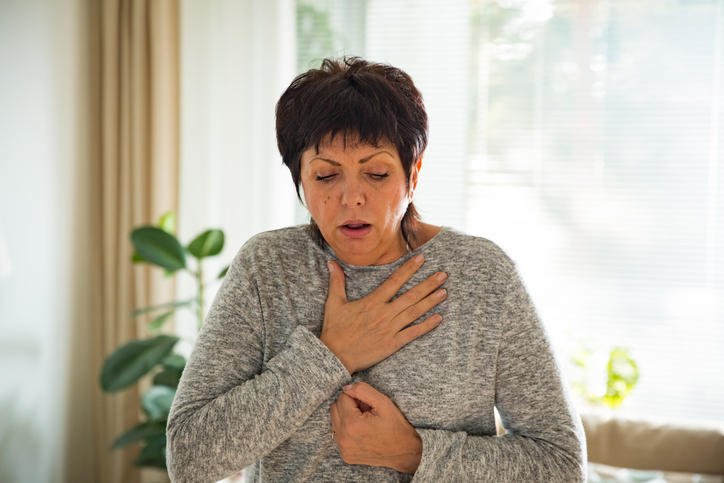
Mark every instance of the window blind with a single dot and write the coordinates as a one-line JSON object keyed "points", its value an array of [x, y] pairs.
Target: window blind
{"points": [[586, 138]]}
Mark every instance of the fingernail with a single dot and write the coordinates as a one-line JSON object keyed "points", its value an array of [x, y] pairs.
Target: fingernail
{"points": [[441, 293], [330, 266], [441, 276], [419, 258], [437, 319], [347, 387]]}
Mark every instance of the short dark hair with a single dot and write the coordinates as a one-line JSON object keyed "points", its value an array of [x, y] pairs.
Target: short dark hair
{"points": [[363, 101]]}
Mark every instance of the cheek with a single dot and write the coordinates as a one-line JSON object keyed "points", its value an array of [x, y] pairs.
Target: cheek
{"points": [[319, 202], [402, 200], [324, 200]]}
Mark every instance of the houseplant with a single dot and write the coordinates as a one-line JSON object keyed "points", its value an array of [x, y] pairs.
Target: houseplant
{"points": [[610, 386], [154, 356]]}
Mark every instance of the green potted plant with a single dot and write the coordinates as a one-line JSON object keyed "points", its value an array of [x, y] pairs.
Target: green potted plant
{"points": [[608, 387], [154, 357]]}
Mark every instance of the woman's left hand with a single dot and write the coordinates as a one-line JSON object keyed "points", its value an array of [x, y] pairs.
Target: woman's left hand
{"points": [[371, 430]]}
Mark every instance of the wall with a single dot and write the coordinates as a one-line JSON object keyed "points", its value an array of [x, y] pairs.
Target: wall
{"points": [[45, 423]]}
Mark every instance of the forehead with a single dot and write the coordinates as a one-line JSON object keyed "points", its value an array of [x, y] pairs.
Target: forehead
{"points": [[346, 143]]}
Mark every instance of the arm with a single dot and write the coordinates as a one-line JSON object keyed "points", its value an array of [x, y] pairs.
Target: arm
{"points": [[228, 413], [545, 440]]}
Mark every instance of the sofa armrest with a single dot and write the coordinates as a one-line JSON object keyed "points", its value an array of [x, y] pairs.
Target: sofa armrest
{"points": [[650, 445]]}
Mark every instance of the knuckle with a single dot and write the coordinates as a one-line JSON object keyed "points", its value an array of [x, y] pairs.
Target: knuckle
{"points": [[396, 278], [414, 312], [411, 296]]}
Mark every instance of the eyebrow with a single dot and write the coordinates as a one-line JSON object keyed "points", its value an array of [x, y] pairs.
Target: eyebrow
{"points": [[361, 161]]}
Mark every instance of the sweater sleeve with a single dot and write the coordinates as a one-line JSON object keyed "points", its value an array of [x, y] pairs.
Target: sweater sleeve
{"points": [[545, 441], [230, 410]]}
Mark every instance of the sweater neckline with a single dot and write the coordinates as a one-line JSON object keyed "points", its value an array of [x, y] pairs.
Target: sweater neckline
{"points": [[430, 244]]}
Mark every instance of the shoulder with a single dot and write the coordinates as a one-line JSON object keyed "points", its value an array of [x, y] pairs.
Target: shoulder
{"points": [[289, 238], [476, 252], [270, 248]]}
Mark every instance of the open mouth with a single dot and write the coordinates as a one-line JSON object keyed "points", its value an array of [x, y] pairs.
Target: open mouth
{"points": [[356, 230], [357, 226]]}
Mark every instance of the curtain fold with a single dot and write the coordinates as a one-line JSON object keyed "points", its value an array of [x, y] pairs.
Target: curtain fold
{"points": [[135, 177]]}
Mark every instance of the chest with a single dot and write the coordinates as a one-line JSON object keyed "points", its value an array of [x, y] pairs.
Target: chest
{"points": [[443, 380]]}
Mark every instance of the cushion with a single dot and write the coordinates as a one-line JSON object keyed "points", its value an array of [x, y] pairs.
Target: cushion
{"points": [[598, 473]]}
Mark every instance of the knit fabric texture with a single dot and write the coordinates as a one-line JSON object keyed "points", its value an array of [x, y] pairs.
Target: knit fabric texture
{"points": [[258, 386]]}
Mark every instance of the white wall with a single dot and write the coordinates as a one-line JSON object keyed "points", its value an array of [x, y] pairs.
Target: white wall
{"points": [[44, 325]]}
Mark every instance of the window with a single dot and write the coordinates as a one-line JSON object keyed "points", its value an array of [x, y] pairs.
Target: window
{"points": [[586, 138]]}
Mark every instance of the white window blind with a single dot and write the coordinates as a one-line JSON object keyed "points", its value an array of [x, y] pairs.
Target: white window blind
{"points": [[586, 138]]}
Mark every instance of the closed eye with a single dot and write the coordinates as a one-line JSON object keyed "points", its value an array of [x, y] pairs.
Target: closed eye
{"points": [[379, 176], [325, 178]]}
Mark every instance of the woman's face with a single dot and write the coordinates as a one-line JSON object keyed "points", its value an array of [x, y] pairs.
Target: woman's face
{"points": [[358, 197]]}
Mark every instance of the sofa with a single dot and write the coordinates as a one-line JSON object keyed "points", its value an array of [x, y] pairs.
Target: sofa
{"points": [[675, 451]]}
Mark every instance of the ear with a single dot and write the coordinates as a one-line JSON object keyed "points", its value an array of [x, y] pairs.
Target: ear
{"points": [[414, 176]]}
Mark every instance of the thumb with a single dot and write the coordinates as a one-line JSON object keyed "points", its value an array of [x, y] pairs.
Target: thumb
{"points": [[337, 293], [365, 393]]}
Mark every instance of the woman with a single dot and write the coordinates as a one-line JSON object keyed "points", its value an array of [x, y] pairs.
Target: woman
{"points": [[369, 346]]}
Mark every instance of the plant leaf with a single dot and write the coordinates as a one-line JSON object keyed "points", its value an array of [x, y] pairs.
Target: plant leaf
{"points": [[156, 402], [208, 244], [153, 453], [224, 271], [158, 322], [167, 305], [159, 247], [623, 374], [140, 433], [174, 361], [168, 377], [167, 222], [132, 361], [136, 258]]}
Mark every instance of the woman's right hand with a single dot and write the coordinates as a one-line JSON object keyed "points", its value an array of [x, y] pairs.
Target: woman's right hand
{"points": [[367, 331]]}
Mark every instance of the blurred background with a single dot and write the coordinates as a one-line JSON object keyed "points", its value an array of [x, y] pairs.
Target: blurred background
{"points": [[583, 136]]}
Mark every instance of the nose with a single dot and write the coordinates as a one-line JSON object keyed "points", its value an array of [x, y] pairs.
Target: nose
{"points": [[353, 193]]}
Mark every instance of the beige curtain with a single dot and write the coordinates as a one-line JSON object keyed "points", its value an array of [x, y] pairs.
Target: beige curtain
{"points": [[135, 176]]}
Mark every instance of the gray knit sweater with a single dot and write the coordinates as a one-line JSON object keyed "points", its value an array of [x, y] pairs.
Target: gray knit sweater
{"points": [[259, 383]]}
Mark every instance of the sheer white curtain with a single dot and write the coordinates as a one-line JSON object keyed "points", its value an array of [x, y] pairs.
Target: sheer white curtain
{"points": [[237, 58]]}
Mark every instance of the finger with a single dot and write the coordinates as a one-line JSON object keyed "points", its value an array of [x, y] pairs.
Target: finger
{"points": [[335, 417], [406, 336], [337, 293], [364, 394], [418, 293], [413, 313], [347, 406], [399, 277]]}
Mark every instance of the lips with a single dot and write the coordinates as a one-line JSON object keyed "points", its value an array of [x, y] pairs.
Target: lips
{"points": [[355, 228]]}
